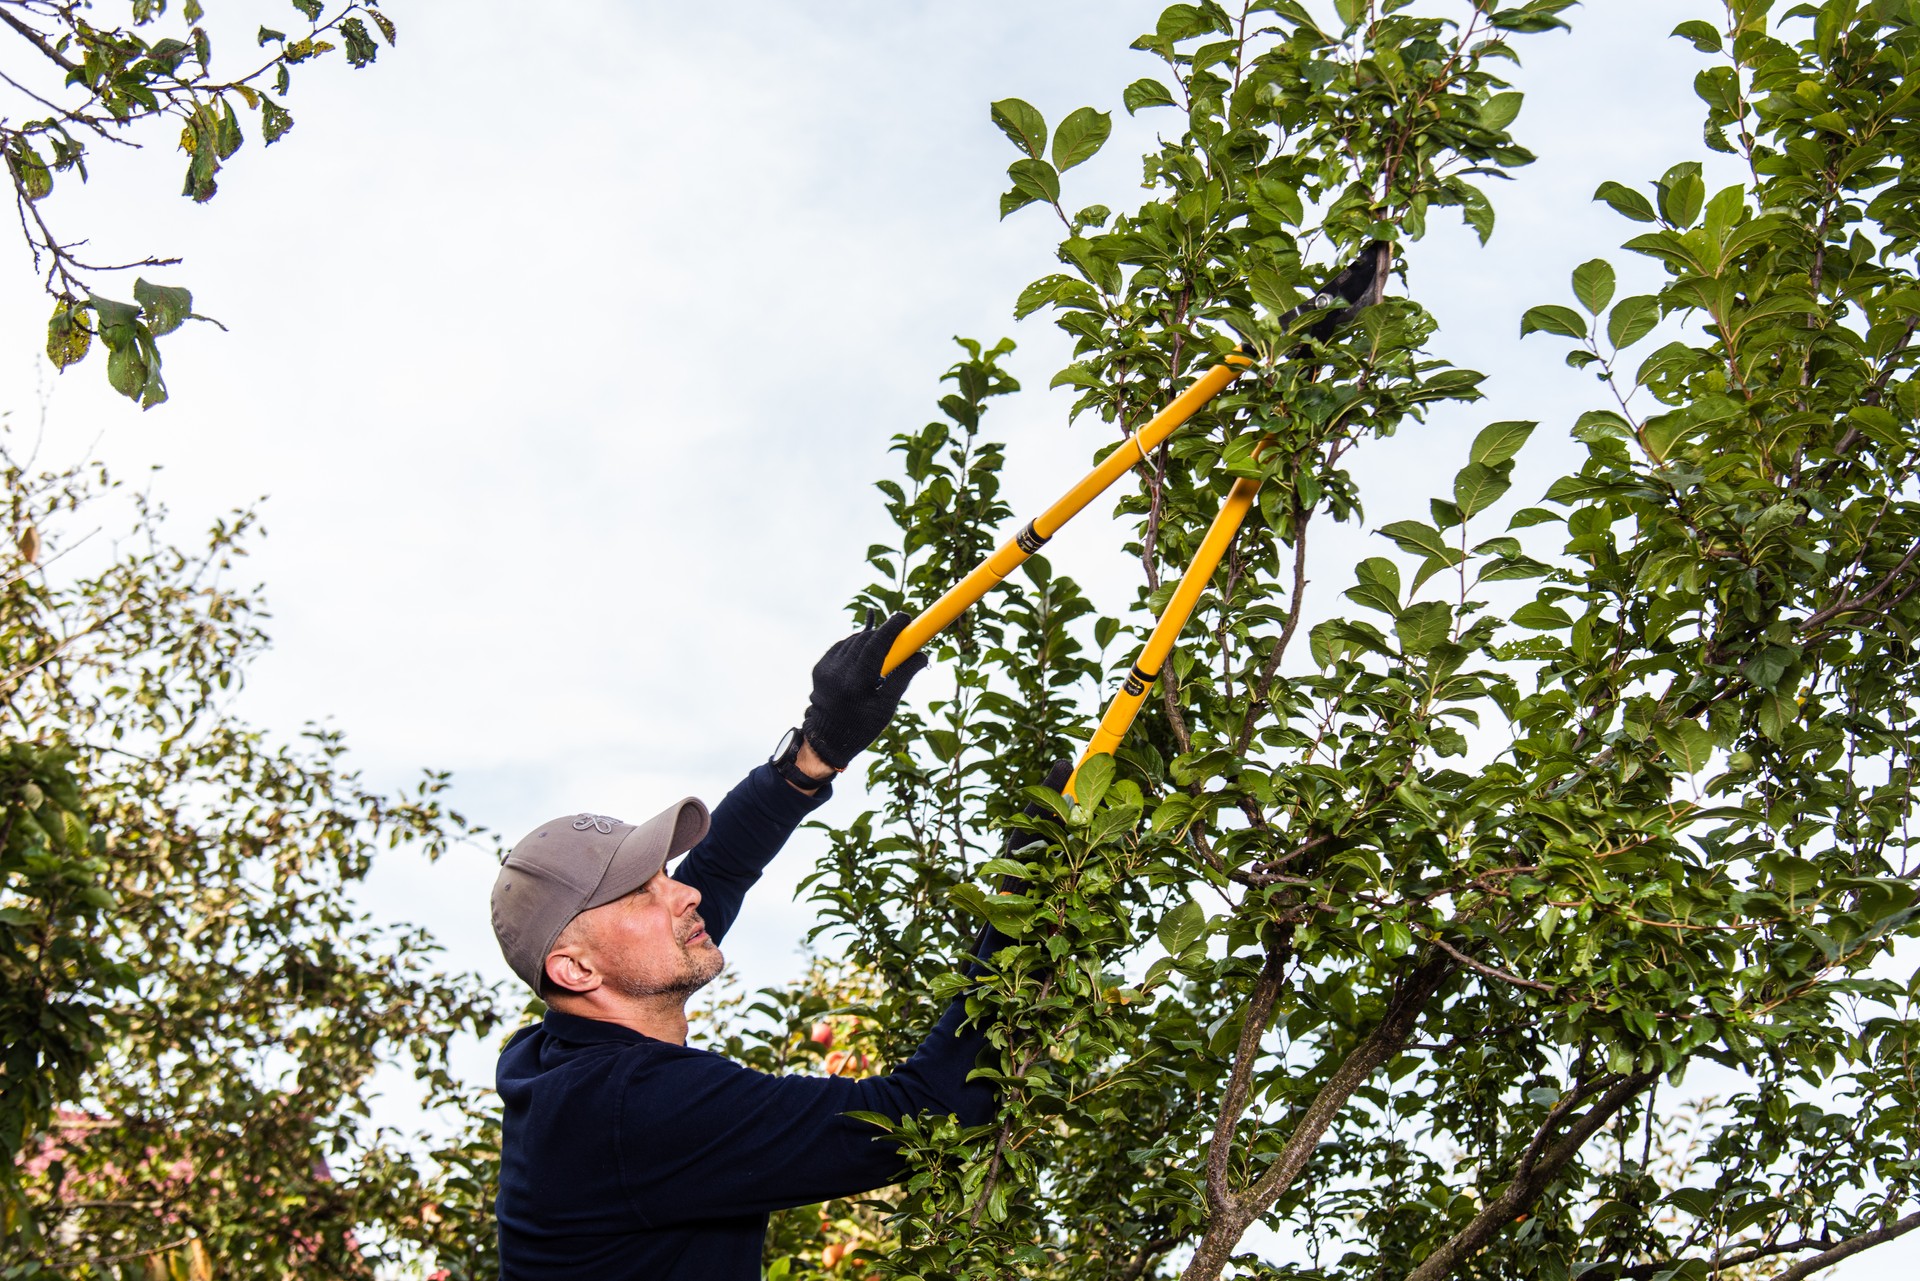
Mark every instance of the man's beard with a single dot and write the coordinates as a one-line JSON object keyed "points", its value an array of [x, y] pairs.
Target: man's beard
{"points": [[703, 965]]}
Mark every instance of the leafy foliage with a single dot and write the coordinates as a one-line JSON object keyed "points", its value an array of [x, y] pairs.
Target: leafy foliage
{"points": [[1396, 939], [193, 1010], [119, 83]]}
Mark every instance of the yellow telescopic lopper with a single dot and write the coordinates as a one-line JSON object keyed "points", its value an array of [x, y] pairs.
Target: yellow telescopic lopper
{"points": [[1173, 619], [1048, 523]]}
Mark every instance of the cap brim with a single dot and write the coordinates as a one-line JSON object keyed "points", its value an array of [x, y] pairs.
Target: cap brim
{"points": [[646, 849]]}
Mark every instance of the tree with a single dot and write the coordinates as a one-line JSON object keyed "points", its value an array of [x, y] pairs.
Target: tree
{"points": [[191, 1007], [1399, 930], [119, 85]]}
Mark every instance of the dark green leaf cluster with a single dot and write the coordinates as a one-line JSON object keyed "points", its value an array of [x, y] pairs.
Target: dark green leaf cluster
{"points": [[193, 1008], [1401, 935], [119, 83]]}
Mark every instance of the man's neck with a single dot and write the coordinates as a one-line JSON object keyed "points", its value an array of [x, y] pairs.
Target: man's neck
{"points": [[664, 1018]]}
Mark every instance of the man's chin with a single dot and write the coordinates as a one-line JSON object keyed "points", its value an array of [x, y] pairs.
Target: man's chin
{"points": [[708, 960]]}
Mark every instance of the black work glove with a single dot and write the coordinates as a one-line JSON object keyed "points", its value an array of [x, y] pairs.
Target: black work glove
{"points": [[851, 701]]}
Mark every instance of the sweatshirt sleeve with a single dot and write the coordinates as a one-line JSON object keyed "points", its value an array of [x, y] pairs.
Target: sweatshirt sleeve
{"points": [[748, 828], [707, 1138]]}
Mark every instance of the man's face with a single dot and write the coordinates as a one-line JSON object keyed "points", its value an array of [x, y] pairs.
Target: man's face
{"points": [[651, 942]]}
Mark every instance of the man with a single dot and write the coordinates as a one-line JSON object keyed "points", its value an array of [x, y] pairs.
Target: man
{"points": [[626, 1153]]}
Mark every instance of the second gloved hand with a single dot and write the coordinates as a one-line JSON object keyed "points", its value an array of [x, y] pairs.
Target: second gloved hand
{"points": [[851, 702]]}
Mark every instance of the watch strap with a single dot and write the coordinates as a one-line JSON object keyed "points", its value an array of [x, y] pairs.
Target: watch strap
{"points": [[785, 762]]}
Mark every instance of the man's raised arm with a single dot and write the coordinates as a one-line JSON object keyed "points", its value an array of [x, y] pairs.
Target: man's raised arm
{"points": [[850, 705]]}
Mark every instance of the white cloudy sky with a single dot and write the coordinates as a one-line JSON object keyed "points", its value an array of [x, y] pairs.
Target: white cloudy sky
{"points": [[566, 343]]}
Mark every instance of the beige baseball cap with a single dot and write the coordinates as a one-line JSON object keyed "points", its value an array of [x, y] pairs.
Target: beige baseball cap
{"points": [[567, 865]]}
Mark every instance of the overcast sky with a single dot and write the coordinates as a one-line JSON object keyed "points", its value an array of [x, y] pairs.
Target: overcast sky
{"points": [[565, 345]]}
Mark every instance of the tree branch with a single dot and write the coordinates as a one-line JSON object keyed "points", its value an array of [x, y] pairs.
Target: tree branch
{"points": [[1535, 1170], [1266, 990], [1262, 689], [1847, 604], [38, 41], [1847, 1249], [1409, 998], [1490, 971]]}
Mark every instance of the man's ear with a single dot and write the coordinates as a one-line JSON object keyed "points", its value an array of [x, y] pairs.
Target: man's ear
{"points": [[571, 972]]}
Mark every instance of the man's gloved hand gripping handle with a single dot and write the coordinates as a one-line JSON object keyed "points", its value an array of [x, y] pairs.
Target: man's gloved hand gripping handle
{"points": [[851, 701]]}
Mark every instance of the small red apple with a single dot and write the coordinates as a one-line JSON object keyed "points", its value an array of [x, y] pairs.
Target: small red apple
{"points": [[822, 1033]]}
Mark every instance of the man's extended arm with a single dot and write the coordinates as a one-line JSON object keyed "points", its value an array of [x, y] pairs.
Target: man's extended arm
{"points": [[721, 1140]]}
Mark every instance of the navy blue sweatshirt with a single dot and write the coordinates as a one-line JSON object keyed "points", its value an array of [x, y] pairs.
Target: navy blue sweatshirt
{"points": [[626, 1157]]}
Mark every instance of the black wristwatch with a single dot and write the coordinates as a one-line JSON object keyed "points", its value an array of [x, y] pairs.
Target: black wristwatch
{"points": [[785, 763]]}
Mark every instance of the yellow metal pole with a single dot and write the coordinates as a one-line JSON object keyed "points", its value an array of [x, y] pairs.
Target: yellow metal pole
{"points": [[1173, 619], [1044, 526]]}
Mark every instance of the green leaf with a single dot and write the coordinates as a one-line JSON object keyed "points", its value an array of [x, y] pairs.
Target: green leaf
{"points": [[114, 321], [1377, 595], [1682, 193], [165, 307], [1777, 712], [1417, 537], [1633, 319], [1143, 93], [1051, 801], [1022, 123], [1541, 617], [1704, 37], [309, 7], [1185, 21], [1500, 110], [1277, 202], [1033, 180], [30, 173], [1475, 209], [127, 370], [1180, 927], [1477, 487], [1528, 516], [1499, 442], [1423, 625], [1091, 780], [1553, 319], [275, 120], [1625, 200], [1011, 914], [1080, 135], [1351, 12], [1593, 284], [361, 48], [268, 35], [1112, 823], [1686, 745]]}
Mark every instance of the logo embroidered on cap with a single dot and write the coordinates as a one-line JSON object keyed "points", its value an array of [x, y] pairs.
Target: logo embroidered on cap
{"points": [[598, 822]]}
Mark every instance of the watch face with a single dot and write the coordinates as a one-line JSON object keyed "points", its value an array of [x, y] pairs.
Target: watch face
{"points": [[789, 745]]}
